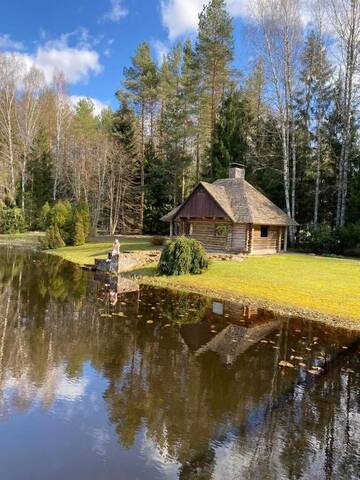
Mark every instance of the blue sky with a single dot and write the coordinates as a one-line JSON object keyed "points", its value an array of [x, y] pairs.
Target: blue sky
{"points": [[92, 40]]}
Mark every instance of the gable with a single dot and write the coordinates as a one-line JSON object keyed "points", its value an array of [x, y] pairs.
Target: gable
{"points": [[200, 204]]}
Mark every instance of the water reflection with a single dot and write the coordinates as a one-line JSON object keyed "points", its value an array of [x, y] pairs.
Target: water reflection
{"points": [[163, 385]]}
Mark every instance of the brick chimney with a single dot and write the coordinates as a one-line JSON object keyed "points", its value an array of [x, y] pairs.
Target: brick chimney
{"points": [[236, 170]]}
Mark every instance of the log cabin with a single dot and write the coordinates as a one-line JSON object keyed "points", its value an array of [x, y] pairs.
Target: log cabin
{"points": [[231, 216]]}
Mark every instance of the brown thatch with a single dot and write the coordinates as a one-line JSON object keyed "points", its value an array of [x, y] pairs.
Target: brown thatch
{"points": [[241, 202]]}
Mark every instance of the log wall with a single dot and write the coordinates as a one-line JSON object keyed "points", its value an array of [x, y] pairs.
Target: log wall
{"points": [[239, 237], [204, 231], [269, 244]]}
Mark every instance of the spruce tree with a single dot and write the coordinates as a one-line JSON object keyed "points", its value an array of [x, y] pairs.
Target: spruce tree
{"points": [[313, 109], [230, 142]]}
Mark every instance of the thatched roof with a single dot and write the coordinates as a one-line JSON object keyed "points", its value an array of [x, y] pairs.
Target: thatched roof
{"points": [[234, 340], [241, 202]]}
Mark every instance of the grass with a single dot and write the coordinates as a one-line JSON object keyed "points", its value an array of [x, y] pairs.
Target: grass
{"points": [[323, 285], [27, 238], [328, 286], [86, 254]]}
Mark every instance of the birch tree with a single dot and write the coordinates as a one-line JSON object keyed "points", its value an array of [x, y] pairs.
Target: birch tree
{"points": [[345, 18], [28, 113], [279, 23], [9, 78], [62, 124]]}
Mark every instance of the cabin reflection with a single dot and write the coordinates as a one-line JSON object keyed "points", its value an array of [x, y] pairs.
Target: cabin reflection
{"points": [[229, 340]]}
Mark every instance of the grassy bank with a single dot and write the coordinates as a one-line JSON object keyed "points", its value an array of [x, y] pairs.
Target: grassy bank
{"points": [[21, 239], [324, 286], [99, 248]]}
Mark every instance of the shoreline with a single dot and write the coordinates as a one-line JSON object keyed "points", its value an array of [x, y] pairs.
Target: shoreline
{"points": [[284, 309], [280, 309]]}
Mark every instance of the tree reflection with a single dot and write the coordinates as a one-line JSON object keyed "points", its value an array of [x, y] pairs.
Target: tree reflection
{"points": [[267, 421]]}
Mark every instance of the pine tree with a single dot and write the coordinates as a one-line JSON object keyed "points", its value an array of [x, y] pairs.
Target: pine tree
{"points": [[215, 48], [141, 83]]}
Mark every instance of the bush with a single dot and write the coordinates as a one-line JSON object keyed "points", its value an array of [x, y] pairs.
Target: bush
{"points": [[45, 216], [52, 238], [11, 219], [158, 241], [78, 237], [72, 222], [320, 240], [181, 256], [82, 209], [349, 236], [323, 240]]}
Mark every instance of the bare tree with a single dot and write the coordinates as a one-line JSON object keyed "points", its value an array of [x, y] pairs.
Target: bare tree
{"points": [[345, 19], [280, 23], [28, 113], [9, 79], [62, 123]]}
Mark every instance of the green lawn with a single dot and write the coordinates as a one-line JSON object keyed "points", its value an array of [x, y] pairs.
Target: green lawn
{"points": [[329, 286], [86, 254], [27, 238], [326, 285]]}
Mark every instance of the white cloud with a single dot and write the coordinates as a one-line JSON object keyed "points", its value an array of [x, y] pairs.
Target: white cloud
{"points": [[161, 50], [117, 12], [99, 106], [76, 62], [72, 53], [6, 43], [180, 17]]}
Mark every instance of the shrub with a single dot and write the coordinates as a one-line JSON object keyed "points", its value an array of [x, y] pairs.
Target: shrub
{"points": [[82, 209], [11, 219], [181, 256], [349, 236], [78, 237], [158, 240], [323, 240], [45, 216], [52, 238]]}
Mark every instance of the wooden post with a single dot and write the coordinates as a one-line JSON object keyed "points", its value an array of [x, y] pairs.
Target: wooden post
{"points": [[171, 230], [285, 238]]}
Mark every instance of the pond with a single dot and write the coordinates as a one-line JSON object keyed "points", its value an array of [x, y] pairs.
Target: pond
{"points": [[102, 380]]}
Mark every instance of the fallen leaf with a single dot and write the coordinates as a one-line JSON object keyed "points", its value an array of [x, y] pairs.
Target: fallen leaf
{"points": [[150, 321], [283, 363]]}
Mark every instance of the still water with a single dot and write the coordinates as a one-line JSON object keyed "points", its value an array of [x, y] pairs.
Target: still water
{"points": [[102, 380]]}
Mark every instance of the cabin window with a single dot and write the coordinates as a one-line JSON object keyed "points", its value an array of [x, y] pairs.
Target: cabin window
{"points": [[264, 231], [221, 231], [188, 229]]}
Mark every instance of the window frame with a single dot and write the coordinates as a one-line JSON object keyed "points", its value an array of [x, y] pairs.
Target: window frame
{"points": [[264, 231], [221, 225]]}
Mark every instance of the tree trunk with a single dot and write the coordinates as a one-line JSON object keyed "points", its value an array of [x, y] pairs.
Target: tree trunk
{"points": [[142, 171]]}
